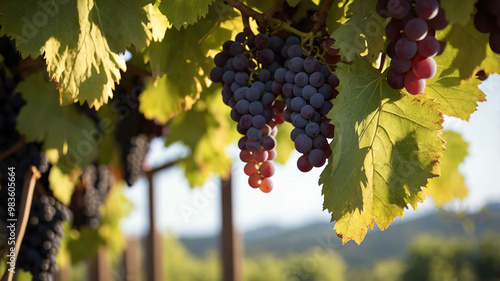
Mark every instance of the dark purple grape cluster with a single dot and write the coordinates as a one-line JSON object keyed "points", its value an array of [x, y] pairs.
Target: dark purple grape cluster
{"points": [[89, 196], [25, 156], [245, 67], [487, 20], [413, 44], [308, 86], [43, 238]]}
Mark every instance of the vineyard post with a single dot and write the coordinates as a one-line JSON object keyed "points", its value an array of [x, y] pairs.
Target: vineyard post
{"points": [[100, 266], [154, 246], [132, 259], [32, 174], [231, 247]]}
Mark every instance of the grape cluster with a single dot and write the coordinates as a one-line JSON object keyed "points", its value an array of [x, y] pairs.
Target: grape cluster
{"points": [[43, 238], [245, 68], [25, 156], [487, 20], [307, 86], [90, 193], [413, 44]]}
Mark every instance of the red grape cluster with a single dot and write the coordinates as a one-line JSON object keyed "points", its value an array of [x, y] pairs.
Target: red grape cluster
{"points": [[307, 86], [487, 20], [413, 45], [245, 67]]}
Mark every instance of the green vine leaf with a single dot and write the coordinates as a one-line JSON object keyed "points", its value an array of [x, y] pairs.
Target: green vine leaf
{"points": [[63, 128], [473, 52], [450, 185], [62, 185], [206, 130], [183, 13], [363, 33], [456, 97], [158, 22], [458, 13], [386, 147], [80, 41]]}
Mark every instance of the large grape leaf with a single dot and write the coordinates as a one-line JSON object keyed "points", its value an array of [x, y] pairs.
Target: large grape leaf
{"points": [[181, 59], [473, 51], [386, 147], [206, 130], [80, 40], [450, 185], [458, 12], [62, 128], [164, 100], [182, 13], [456, 97], [158, 22], [363, 34]]}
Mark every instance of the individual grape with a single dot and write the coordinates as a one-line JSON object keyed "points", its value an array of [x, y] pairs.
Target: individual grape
{"points": [[268, 99], [254, 133], [261, 41], [299, 122], [276, 43], [395, 79], [307, 111], [298, 103], [287, 90], [416, 29], [320, 142], [296, 64], [220, 59], [255, 180], [333, 81], [272, 154], [317, 100], [296, 132], [294, 51], [424, 68], [401, 66], [241, 78], [266, 186], [301, 79], [312, 129], [326, 108], [308, 91], [279, 75], [316, 79], [290, 77], [303, 164], [240, 62], [251, 168], [267, 169], [427, 9], [228, 77], [253, 145], [266, 56], [398, 8], [405, 49], [235, 49], [303, 143], [428, 47], [258, 85], [327, 129], [264, 75], [311, 64], [246, 155], [317, 157], [216, 74], [484, 21], [393, 30], [242, 143], [413, 84], [494, 41], [261, 155], [242, 106], [268, 142], [439, 21], [256, 108], [297, 91]]}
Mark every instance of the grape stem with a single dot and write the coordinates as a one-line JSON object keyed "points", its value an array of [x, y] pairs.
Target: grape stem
{"points": [[32, 174], [247, 11], [18, 145], [268, 15], [320, 18]]}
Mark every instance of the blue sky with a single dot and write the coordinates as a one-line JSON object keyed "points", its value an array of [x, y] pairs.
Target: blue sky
{"points": [[296, 198]]}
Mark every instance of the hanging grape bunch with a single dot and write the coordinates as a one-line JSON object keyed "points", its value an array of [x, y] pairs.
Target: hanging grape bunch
{"points": [[413, 44], [487, 20], [307, 86], [245, 68]]}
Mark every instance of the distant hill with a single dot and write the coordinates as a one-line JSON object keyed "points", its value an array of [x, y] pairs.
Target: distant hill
{"points": [[378, 245]]}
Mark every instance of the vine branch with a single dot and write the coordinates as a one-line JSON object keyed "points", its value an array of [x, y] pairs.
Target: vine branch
{"points": [[245, 10], [18, 145], [269, 13], [320, 18], [32, 174]]}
